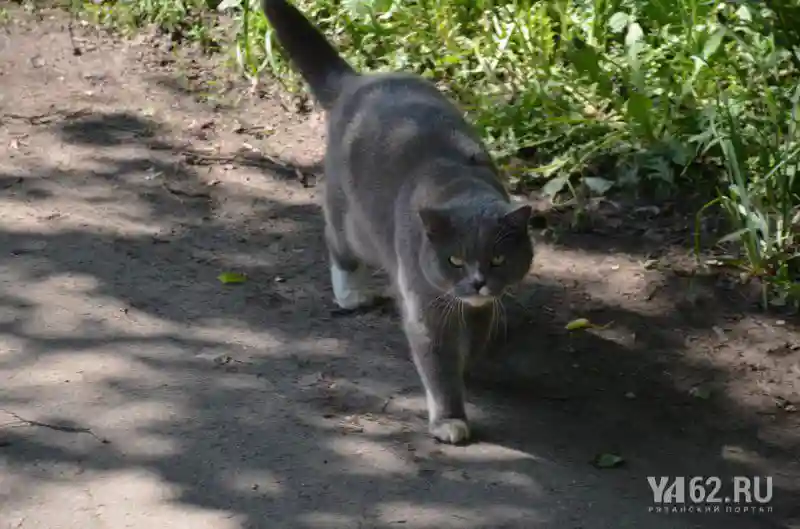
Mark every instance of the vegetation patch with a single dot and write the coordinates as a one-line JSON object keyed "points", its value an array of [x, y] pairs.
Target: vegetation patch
{"points": [[580, 95]]}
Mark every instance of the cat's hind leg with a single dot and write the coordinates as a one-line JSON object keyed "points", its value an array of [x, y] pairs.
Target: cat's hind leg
{"points": [[350, 289], [349, 276]]}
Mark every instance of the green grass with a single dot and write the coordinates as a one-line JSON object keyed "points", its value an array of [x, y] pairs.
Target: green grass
{"points": [[590, 95]]}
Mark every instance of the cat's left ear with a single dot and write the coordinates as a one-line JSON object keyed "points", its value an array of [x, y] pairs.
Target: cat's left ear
{"points": [[518, 216]]}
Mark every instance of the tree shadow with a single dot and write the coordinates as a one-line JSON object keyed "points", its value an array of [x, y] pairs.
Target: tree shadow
{"points": [[255, 401], [108, 130]]}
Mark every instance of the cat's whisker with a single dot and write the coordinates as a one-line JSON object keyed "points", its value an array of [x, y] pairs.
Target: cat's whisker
{"points": [[509, 292], [432, 303], [504, 318], [441, 318], [493, 321], [447, 312], [440, 302], [440, 307], [437, 299]]}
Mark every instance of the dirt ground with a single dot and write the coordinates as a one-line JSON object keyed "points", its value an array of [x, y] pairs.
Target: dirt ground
{"points": [[137, 391]]}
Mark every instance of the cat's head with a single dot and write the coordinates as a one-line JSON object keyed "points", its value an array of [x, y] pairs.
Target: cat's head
{"points": [[475, 253]]}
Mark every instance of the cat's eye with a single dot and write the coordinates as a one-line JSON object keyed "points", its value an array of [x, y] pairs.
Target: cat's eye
{"points": [[455, 261], [497, 260]]}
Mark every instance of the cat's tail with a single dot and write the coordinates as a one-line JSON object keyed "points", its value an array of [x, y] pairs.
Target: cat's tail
{"points": [[312, 54]]}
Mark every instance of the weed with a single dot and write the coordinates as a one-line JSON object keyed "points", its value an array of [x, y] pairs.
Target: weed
{"points": [[582, 96]]}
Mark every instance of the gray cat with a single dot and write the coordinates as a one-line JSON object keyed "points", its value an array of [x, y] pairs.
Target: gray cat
{"points": [[411, 189]]}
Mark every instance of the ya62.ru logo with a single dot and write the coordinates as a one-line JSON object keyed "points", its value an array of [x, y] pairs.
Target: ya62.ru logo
{"points": [[711, 494]]}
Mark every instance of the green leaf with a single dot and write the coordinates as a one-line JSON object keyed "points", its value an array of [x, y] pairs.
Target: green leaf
{"points": [[599, 186], [618, 21], [734, 236], [586, 61], [229, 278], [608, 461], [713, 42], [678, 153], [358, 7], [580, 323], [639, 107], [634, 35], [744, 14], [554, 186], [584, 323], [229, 4]]}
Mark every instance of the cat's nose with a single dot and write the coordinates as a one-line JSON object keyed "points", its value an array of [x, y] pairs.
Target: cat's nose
{"points": [[478, 283]]}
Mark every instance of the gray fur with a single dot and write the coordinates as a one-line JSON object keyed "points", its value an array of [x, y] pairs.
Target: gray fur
{"points": [[410, 185]]}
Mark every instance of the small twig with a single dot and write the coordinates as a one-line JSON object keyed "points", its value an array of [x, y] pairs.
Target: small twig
{"points": [[248, 159], [56, 427], [185, 193], [195, 157], [30, 119], [41, 119]]}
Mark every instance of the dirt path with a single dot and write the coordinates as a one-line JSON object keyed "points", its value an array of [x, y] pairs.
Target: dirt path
{"points": [[137, 391]]}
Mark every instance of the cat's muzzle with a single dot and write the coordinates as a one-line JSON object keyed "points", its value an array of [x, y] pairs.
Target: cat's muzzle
{"points": [[478, 300]]}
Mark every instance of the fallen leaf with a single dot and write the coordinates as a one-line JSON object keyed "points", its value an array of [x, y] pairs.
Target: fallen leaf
{"points": [[223, 360], [650, 264], [598, 185], [352, 424], [580, 323], [227, 278], [583, 323], [700, 392], [608, 461]]}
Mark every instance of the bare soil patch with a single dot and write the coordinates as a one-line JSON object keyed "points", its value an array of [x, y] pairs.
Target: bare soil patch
{"points": [[141, 392]]}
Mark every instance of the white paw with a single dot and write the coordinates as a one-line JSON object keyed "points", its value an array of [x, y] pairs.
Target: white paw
{"points": [[352, 299], [451, 431], [350, 288]]}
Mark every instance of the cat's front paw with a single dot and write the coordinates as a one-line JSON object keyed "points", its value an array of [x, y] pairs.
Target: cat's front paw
{"points": [[451, 431], [353, 299]]}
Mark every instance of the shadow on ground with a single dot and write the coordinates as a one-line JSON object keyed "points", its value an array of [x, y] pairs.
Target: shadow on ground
{"points": [[256, 401]]}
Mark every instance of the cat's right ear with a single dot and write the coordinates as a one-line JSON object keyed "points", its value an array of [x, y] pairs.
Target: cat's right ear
{"points": [[436, 223]]}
